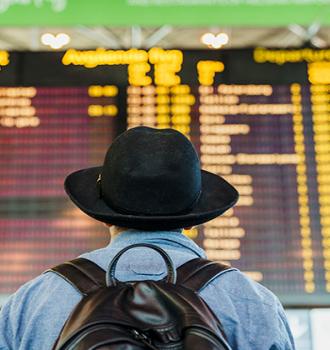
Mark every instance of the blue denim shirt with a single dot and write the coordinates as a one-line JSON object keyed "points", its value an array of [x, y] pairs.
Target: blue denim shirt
{"points": [[252, 316]]}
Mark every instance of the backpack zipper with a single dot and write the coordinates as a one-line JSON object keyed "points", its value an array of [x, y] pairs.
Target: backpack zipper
{"points": [[136, 334], [83, 334], [143, 338]]}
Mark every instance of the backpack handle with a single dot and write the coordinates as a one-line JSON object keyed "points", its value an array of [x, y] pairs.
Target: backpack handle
{"points": [[171, 271]]}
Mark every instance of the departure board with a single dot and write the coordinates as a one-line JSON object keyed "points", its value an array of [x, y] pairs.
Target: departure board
{"points": [[46, 133], [260, 118]]}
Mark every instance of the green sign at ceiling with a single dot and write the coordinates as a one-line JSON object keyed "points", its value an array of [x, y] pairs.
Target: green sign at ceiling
{"points": [[160, 12]]}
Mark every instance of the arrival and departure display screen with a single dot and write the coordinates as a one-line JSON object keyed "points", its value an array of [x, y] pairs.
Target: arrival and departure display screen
{"points": [[260, 118]]}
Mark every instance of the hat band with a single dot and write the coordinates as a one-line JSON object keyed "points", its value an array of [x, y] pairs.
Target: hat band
{"points": [[132, 212], [184, 211]]}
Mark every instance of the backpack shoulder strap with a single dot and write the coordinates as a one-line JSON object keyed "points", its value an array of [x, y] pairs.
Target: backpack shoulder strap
{"points": [[86, 276], [83, 274], [197, 273]]}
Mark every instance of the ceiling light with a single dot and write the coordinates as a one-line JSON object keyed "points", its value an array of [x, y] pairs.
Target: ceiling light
{"points": [[215, 41], [222, 38], [207, 38], [47, 38], [55, 41], [216, 44]]}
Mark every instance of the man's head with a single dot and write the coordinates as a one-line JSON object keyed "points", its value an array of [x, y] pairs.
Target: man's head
{"points": [[150, 180]]}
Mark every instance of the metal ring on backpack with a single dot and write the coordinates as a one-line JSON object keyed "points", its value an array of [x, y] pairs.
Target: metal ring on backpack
{"points": [[171, 271]]}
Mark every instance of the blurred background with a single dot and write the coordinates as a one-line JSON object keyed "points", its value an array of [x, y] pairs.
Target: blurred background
{"points": [[248, 81]]}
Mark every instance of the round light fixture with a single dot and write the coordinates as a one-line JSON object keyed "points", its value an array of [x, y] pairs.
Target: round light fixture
{"points": [[55, 41], [215, 41], [222, 38], [47, 38], [207, 38]]}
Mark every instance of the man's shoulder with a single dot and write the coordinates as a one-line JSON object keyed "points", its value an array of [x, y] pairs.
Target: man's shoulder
{"points": [[26, 314], [44, 291], [246, 310], [44, 284], [239, 286]]}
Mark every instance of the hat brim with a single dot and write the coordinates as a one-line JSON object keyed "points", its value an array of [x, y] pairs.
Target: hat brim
{"points": [[216, 197]]}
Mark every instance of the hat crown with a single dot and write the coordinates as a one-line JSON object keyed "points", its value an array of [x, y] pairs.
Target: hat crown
{"points": [[150, 171]]}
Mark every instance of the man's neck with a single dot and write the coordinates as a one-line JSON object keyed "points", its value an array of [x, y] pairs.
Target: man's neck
{"points": [[116, 230]]}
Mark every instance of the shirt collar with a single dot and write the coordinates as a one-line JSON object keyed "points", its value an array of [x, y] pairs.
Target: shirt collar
{"points": [[166, 239]]}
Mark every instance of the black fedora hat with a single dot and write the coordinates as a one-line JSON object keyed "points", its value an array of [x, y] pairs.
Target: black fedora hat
{"points": [[151, 179]]}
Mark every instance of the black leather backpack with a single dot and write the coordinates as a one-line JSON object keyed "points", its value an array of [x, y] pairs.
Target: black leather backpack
{"points": [[163, 315]]}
